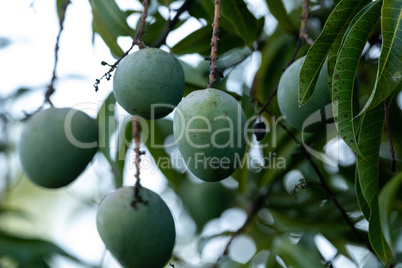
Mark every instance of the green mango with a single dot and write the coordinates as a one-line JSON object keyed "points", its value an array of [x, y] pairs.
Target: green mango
{"points": [[210, 127], [56, 145], [149, 83], [137, 228], [288, 100]]}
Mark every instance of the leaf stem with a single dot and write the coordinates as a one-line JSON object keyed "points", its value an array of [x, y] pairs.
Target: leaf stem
{"points": [[214, 45]]}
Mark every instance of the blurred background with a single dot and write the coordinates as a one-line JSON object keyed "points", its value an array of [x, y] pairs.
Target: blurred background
{"points": [[59, 225]]}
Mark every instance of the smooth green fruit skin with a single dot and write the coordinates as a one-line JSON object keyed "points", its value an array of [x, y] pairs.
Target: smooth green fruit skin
{"points": [[138, 234], [190, 127], [288, 100], [146, 77], [48, 158]]}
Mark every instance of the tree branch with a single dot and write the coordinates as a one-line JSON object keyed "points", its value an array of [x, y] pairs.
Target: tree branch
{"points": [[170, 24], [136, 41], [328, 189], [214, 45], [256, 205], [388, 129]]}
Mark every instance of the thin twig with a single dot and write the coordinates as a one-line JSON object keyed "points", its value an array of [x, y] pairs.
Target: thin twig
{"points": [[50, 88], [259, 200], [327, 188], [256, 205], [388, 129], [136, 41], [214, 45], [170, 24]]}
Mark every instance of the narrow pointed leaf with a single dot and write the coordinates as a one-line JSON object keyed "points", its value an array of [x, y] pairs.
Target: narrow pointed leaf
{"points": [[110, 22], [278, 10], [334, 28], [199, 42], [294, 255], [368, 177], [242, 20], [345, 71], [155, 142], [106, 126], [386, 199], [125, 136], [389, 74], [364, 207], [61, 8]]}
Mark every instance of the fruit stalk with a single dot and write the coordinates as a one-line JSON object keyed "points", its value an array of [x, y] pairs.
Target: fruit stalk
{"points": [[141, 29], [138, 153], [303, 22], [214, 44]]}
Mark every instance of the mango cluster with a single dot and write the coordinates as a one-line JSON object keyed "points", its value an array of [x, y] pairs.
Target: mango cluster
{"points": [[135, 224]]}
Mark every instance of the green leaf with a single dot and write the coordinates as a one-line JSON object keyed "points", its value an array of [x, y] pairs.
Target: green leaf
{"points": [[334, 29], [389, 71], [30, 252], [364, 207], [110, 22], [278, 10], [195, 78], [293, 255], [199, 42], [61, 8], [387, 197], [272, 63], [123, 140], [155, 27], [106, 123], [155, 138], [107, 127], [343, 80], [368, 177], [242, 20]]}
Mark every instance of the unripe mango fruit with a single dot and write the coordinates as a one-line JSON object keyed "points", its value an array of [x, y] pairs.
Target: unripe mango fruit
{"points": [[209, 126], [288, 100], [149, 83], [138, 229], [56, 145]]}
